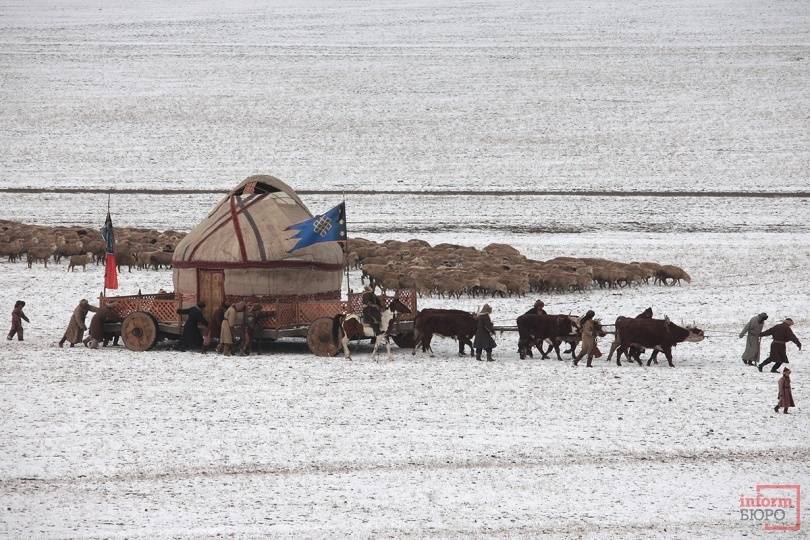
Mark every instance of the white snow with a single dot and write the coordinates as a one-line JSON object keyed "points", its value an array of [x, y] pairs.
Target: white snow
{"points": [[114, 443], [685, 95]]}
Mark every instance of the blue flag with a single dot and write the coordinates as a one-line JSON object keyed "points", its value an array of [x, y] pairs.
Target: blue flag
{"points": [[327, 227]]}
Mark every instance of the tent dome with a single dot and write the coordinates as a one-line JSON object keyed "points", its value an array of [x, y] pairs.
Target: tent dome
{"points": [[244, 239]]}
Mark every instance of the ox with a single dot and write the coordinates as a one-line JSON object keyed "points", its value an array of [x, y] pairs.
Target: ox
{"points": [[452, 323], [656, 334], [533, 329], [347, 327]]}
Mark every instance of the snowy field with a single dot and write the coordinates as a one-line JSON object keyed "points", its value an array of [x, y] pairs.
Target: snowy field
{"points": [[560, 94], [113, 443], [520, 95]]}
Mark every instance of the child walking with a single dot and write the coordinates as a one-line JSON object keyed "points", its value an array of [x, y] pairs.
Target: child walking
{"points": [[17, 317], [785, 394]]}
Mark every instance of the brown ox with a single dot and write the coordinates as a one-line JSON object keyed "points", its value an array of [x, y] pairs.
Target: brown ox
{"points": [[657, 334], [533, 329], [348, 327], [452, 323]]}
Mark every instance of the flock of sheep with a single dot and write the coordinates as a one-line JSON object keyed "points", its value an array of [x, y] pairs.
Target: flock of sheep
{"points": [[497, 270], [442, 270], [80, 246]]}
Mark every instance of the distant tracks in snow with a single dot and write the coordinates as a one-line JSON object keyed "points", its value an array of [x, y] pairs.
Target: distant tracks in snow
{"points": [[658, 457], [433, 193]]}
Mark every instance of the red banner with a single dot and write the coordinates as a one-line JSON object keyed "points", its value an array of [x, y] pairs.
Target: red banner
{"points": [[110, 272]]}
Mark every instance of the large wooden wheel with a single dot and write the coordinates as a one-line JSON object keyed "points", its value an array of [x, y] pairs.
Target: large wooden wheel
{"points": [[139, 331], [319, 337], [405, 340]]}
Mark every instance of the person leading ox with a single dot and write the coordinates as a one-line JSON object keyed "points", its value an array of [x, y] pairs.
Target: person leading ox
{"points": [[483, 334], [781, 334]]}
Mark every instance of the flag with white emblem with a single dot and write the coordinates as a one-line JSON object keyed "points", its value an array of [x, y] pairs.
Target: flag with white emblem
{"points": [[327, 227]]}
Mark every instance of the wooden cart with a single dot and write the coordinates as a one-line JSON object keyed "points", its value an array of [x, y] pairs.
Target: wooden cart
{"points": [[147, 319]]}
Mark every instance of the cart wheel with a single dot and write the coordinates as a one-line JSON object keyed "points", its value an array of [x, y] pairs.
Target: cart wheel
{"points": [[405, 340], [139, 331], [319, 337]]}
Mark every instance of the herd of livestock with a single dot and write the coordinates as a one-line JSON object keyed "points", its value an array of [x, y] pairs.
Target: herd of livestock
{"points": [[445, 270], [496, 270]]}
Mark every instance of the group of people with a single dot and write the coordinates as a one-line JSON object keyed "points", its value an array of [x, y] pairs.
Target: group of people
{"points": [[781, 333], [237, 325], [231, 326], [240, 325]]}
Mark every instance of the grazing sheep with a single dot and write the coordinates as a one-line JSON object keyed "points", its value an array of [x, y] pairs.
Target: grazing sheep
{"points": [[675, 273], [80, 260]]}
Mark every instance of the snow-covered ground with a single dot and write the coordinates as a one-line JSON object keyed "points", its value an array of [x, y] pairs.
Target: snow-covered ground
{"points": [[570, 95], [559, 94], [113, 443]]}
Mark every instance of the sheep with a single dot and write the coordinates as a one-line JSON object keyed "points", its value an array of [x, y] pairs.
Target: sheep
{"points": [[12, 250], [675, 273], [80, 260]]}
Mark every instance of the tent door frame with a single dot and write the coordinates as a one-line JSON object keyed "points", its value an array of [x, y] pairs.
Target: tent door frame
{"points": [[211, 302]]}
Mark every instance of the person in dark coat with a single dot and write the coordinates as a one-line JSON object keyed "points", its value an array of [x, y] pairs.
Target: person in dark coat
{"points": [[192, 337], [254, 320], [214, 328], [96, 330], [785, 394], [483, 334], [17, 317], [372, 309], [537, 309], [781, 334]]}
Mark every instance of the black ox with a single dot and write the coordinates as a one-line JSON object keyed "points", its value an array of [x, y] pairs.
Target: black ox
{"points": [[452, 323], [632, 335], [534, 329]]}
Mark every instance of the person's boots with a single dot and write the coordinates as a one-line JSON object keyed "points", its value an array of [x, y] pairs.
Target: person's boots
{"points": [[62, 341], [785, 411], [776, 409], [226, 350], [489, 356], [478, 355]]}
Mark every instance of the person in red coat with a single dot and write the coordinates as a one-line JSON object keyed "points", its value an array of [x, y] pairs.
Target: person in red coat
{"points": [[17, 317], [785, 395], [781, 334]]}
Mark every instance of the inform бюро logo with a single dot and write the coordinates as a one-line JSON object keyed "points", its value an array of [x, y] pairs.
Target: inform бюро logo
{"points": [[776, 506]]}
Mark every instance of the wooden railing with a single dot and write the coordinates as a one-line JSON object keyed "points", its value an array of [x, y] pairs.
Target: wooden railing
{"points": [[285, 313]]}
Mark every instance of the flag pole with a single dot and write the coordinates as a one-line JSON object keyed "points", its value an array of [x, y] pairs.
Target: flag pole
{"points": [[346, 247], [104, 294]]}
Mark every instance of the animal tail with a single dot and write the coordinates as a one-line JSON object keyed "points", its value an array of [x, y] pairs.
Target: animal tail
{"points": [[337, 320]]}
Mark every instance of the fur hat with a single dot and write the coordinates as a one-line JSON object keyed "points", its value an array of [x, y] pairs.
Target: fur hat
{"points": [[789, 321], [486, 310], [539, 304], [786, 371]]}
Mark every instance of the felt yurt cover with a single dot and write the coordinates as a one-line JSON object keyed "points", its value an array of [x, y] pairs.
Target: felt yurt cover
{"points": [[242, 249]]}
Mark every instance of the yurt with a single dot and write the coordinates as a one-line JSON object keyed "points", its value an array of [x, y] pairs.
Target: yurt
{"points": [[241, 249]]}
